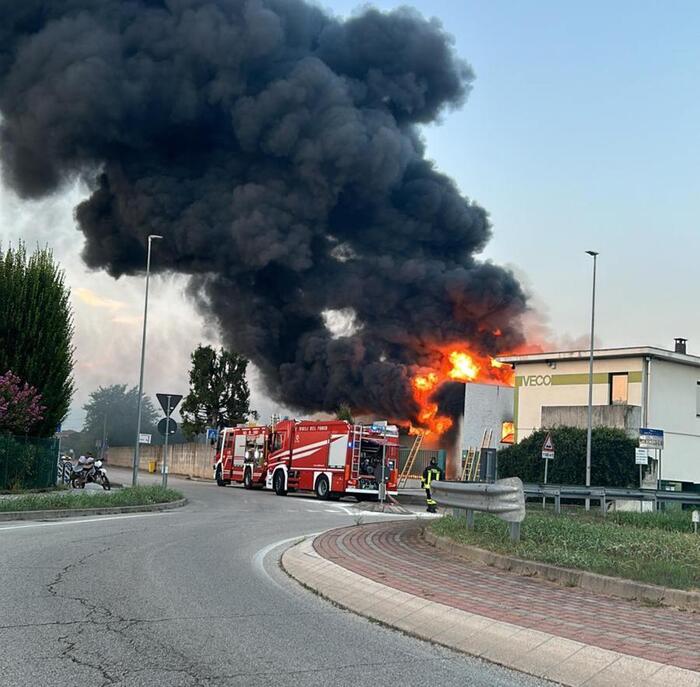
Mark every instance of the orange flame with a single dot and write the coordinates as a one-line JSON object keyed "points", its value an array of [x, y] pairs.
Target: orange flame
{"points": [[425, 382], [464, 369], [458, 363]]}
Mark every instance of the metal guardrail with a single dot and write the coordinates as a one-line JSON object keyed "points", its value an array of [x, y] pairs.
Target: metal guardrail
{"points": [[606, 494], [505, 499]]}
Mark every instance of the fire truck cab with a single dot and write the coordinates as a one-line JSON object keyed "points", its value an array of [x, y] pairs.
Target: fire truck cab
{"points": [[241, 455]]}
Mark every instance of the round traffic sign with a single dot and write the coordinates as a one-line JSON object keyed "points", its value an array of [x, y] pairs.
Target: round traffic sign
{"points": [[163, 426]]}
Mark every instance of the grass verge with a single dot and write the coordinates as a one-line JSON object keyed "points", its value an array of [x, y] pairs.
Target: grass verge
{"points": [[131, 496], [646, 549]]}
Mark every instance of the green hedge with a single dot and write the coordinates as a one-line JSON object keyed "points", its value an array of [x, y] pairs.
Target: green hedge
{"points": [[27, 463], [612, 458]]}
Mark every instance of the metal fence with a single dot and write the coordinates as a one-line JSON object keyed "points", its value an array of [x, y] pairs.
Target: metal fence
{"points": [[422, 460], [27, 462], [604, 495]]}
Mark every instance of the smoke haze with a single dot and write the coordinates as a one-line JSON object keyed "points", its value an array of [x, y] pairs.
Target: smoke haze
{"points": [[276, 149]]}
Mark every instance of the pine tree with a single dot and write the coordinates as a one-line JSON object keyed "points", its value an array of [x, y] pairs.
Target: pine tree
{"points": [[36, 330], [344, 412], [219, 395]]}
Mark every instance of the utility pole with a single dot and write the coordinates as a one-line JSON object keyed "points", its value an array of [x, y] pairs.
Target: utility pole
{"points": [[594, 255], [104, 437], [137, 448]]}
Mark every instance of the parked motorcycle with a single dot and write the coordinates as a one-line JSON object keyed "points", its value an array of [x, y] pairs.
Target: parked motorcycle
{"points": [[99, 476], [87, 471]]}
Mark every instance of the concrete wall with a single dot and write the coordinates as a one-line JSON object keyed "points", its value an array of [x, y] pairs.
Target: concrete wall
{"points": [[627, 417], [189, 460]]}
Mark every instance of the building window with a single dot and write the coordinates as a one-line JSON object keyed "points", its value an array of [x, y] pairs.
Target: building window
{"points": [[697, 399], [618, 388]]}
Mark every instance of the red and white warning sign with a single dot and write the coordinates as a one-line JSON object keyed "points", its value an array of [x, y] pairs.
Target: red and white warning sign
{"points": [[548, 448]]}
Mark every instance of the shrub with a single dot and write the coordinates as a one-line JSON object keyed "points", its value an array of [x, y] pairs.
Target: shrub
{"points": [[612, 458]]}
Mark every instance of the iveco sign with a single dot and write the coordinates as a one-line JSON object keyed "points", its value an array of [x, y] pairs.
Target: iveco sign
{"points": [[537, 380]]}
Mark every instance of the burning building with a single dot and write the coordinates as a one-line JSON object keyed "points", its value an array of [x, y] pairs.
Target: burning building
{"points": [[278, 151]]}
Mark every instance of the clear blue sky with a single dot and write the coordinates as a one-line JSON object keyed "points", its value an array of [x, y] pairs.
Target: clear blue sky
{"points": [[583, 131]]}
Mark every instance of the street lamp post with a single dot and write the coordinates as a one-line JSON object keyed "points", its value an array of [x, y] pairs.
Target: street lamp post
{"points": [[137, 448], [594, 255]]}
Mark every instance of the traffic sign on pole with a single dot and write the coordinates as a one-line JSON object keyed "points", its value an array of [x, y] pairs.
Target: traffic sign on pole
{"points": [[168, 401], [651, 438], [547, 455], [548, 448], [167, 426]]}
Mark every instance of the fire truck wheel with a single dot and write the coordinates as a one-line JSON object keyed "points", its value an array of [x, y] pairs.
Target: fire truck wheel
{"points": [[219, 479], [248, 480], [322, 489], [278, 483]]}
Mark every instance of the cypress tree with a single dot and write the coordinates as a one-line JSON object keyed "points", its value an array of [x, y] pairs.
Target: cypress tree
{"points": [[36, 329]]}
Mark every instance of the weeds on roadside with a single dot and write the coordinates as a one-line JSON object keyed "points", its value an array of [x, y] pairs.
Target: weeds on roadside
{"points": [[618, 545], [131, 496]]}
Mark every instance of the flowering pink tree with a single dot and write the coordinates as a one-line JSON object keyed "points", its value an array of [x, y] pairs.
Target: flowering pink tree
{"points": [[20, 405]]}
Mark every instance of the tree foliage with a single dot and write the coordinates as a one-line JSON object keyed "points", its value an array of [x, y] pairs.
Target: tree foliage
{"points": [[612, 458], [118, 405], [344, 412], [36, 330], [20, 405], [219, 395]]}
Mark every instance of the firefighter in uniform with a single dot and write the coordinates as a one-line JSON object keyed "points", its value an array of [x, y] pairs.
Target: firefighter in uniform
{"points": [[432, 472]]}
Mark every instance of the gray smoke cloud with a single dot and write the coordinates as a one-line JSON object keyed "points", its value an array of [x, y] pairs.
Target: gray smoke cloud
{"points": [[277, 150]]}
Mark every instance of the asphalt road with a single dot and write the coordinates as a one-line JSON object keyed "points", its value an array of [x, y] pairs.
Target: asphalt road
{"points": [[195, 597]]}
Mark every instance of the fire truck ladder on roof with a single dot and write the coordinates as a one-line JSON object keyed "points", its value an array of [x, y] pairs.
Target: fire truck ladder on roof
{"points": [[473, 471], [356, 449], [410, 460]]}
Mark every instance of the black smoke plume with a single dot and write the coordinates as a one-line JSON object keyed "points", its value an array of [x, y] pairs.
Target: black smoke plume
{"points": [[276, 149]]}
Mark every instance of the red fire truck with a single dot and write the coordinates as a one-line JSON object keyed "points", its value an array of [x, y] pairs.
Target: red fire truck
{"points": [[331, 458]]}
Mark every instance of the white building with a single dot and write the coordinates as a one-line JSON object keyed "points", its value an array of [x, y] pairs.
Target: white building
{"points": [[487, 407], [632, 388]]}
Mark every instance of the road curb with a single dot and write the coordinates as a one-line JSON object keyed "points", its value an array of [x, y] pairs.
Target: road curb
{"points": [[569, 577], [411, 499], [77, 512], [537, 653]]}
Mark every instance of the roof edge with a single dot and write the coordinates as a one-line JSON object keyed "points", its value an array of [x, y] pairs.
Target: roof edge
{"points": [[604, 353]]}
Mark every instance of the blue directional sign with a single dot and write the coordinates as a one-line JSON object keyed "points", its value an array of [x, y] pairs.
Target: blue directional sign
{"points": [[651, 438], [212, 434]]}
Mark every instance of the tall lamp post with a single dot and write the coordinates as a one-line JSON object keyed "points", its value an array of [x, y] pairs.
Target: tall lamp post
{"points": [[137, 448], [594, 255]]}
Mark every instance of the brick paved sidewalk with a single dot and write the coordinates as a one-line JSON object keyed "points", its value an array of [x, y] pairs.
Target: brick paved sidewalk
{"points": [[394, 554]]}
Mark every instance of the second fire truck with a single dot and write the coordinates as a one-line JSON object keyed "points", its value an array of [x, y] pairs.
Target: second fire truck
{"points": [[332, 458]]}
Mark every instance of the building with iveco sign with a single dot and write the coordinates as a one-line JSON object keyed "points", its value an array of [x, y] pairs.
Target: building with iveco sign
{"points": [[632, 388]]}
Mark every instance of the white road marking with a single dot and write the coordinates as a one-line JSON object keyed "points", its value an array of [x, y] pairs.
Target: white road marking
{"points": [[81, 521], [259, 557]]}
